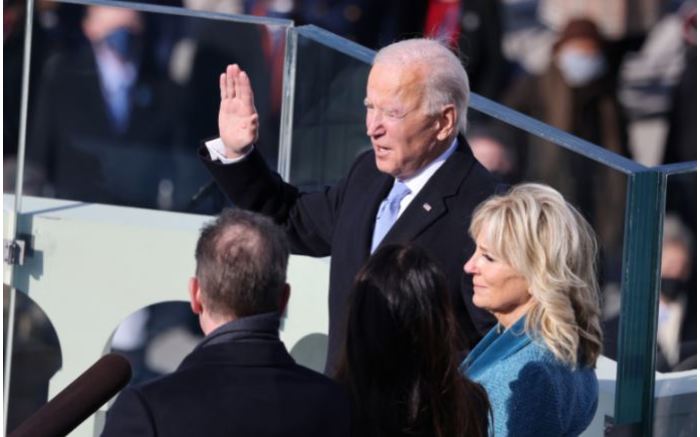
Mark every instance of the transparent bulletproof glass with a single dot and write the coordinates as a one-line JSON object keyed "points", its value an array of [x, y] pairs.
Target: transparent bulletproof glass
{"points": [[120, 99], [83, 145], [156, 339], [35, 354], [120, 95], [328, 129], [596, 190], [676, 339]]}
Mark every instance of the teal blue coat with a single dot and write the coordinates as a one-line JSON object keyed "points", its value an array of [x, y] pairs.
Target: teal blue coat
{"points": [[531, 392]]}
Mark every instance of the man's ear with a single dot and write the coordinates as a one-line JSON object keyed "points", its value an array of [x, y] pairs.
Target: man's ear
{"points": [[195, 295], [284, 298], [446, 122]]}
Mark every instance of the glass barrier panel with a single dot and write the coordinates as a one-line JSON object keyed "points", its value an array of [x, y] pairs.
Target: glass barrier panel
{"points": [[598, 191], [328, 127], [156, 339], [677, 323], [121, 98], [36, 357], [676, 339]]}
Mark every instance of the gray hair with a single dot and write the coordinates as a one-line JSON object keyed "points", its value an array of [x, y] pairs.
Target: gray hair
{"points": [[446, 80], [241, 264]]}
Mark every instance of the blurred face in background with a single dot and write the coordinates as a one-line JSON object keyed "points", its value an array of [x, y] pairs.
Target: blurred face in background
{"points": [[101, 21], [115, 29], [492, 154], [675, 269], [580, 61]]}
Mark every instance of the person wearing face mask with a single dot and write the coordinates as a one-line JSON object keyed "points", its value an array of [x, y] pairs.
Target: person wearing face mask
{"points": [[102, 107], [676, 336], [581, 63], [115, 38], [576, 93]]}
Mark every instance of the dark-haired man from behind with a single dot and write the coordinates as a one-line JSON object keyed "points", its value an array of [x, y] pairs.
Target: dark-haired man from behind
{"points": [[240, 380]]}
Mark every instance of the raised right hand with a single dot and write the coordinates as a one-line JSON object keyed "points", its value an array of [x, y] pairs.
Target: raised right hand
{"points": [[238, 119]]}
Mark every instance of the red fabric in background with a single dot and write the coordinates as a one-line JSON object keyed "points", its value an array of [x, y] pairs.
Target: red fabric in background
{"points": [[442, 20]]}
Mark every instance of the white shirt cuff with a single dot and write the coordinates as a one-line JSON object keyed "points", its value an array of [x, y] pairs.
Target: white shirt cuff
{"points": [[217, 152]]}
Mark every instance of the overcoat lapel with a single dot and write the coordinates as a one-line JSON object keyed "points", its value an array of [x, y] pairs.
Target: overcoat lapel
{"points": [[93, 97], [431, 202]]}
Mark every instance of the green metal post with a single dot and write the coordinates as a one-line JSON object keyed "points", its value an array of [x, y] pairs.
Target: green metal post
{"points": [[634, 396]]}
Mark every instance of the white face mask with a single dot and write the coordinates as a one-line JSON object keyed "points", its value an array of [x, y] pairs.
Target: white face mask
{"points": [[579, 68]]}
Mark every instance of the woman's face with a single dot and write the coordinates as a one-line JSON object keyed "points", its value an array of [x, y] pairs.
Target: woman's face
{"points": [[498, 288]]}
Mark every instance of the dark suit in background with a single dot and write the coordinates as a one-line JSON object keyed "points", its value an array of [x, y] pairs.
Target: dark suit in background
{"points": [[72, 139]]}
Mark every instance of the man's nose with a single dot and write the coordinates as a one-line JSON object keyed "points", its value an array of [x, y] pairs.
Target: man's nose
{"points": [[374, 123]]}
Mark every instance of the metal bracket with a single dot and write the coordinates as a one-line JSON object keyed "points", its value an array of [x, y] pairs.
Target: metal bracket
{"points": [[13, 252], [615, 430]]}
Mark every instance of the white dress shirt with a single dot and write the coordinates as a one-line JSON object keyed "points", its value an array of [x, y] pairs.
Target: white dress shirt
{"points": [[418, 181]]}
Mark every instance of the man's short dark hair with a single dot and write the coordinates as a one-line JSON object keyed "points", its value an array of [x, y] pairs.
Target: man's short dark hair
{"points": [[241, 264]]}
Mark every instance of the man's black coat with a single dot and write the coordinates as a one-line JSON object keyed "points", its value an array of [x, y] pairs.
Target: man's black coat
{"points": [[239, 381], [339, 221]]}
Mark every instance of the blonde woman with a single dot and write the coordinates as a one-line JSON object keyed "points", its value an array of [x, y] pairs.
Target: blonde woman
{"points": [[534, 270]]}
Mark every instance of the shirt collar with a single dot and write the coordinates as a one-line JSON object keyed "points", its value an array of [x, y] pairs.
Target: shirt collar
{"points": [[416, 182]]}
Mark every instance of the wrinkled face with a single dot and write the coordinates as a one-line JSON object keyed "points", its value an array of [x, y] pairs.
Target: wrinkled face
{"points": [[498, 288], [403, 137]]}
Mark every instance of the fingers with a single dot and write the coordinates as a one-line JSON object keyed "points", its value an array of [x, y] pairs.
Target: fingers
{"points": [[222, 85], [231, 73], [245, 91], [235, 83]]}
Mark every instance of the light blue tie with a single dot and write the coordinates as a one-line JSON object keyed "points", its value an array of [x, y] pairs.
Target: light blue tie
{"points": [[388, 211], [118, 102]]}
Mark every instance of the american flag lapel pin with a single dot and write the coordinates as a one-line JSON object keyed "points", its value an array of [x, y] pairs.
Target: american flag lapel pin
{"points": [[427, 207]]}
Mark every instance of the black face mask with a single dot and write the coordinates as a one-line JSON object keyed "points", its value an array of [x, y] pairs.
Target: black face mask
{"points": [[672, 288], [123, 42]]}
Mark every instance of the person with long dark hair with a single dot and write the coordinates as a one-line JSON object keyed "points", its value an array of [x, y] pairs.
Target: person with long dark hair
{"points": [[400, 362]]}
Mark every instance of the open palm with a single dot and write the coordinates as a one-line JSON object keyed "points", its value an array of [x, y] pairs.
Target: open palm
{"points": [[238, 119]]}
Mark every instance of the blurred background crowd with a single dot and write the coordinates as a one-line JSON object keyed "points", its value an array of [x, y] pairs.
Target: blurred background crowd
{"points": [[117, 92]]}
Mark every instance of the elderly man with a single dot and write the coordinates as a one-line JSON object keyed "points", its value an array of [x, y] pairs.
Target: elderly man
{"points": [[420, 182], [239, 380]]}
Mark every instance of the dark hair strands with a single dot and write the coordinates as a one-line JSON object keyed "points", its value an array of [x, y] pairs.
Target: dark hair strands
{"points": [[400, 361]]}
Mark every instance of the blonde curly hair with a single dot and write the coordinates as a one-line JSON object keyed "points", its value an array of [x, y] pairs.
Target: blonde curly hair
{"points": [[545, 239]]}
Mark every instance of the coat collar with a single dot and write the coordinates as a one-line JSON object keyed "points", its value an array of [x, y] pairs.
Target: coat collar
{"points": [[249, 341], [430, 203], [258, 326], [496, 346]]}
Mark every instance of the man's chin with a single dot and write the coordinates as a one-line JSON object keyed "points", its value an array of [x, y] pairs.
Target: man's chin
{"points": [[383, 167]]}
